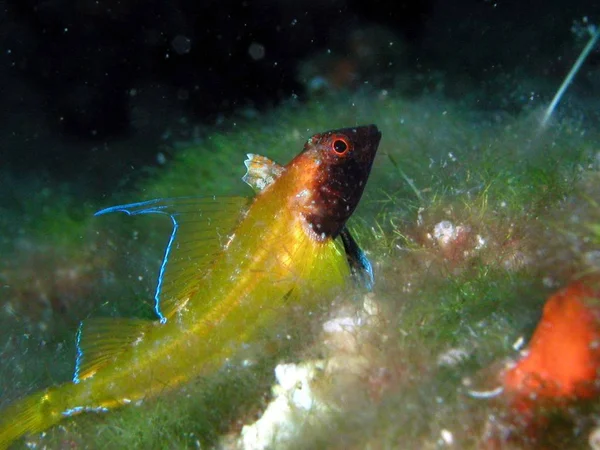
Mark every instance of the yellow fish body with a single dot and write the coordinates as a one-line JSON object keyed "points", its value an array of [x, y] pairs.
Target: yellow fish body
{"points": [[223, 278]]}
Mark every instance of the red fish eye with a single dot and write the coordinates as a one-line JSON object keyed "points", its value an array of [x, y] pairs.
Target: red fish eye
{"points": [[340, 146]]}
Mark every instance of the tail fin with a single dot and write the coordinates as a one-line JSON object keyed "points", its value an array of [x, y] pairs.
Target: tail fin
{"points": [[32, 414]]}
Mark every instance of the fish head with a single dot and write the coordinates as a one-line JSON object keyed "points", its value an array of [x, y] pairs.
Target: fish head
{"points": [[333, 171]]}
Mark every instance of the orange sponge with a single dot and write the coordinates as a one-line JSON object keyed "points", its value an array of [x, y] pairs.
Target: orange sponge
{"points": [[563, 358]]}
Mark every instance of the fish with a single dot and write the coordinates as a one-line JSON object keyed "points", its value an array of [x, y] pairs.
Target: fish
{"points": [[231, 267]]}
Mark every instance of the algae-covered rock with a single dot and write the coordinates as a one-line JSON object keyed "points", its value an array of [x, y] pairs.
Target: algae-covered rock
{"points": [[470, 219]]}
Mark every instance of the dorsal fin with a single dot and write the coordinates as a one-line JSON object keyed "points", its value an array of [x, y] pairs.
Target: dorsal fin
{"points": [[261, 172], [202, 227], [101, 340]]}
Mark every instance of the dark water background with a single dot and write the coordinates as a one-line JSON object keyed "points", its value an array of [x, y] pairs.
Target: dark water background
{"points": [[91, 90]]}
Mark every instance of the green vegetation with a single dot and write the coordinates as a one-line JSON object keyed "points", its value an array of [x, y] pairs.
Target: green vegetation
{"points": [[524, 211]]}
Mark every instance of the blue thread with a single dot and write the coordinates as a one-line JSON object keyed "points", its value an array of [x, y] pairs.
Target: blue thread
{"points": [[79, 409], [130, 210], [126, 208], [79, 356], [163, 267]]}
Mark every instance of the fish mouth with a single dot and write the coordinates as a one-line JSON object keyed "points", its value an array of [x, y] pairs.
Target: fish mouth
{"points": [[374, 134], [370, 137]]}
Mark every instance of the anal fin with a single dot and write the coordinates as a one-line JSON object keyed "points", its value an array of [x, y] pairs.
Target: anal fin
{"points": [[101, 340]]}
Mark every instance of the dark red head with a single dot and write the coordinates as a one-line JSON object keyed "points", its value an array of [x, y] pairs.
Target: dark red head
{"points": [[336, 165]]}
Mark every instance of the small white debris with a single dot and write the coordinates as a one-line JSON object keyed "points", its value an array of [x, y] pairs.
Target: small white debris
{"points": [[492, 393], [294, 403], [370, 305], [452, 357], [518, 344], [480, 242], [445, 232], [594, 439], [345, 331], [447, 437], [420, 216], [342, 324]]}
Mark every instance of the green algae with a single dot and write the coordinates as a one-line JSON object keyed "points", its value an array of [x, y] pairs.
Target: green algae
{"points": [[438, 161]]}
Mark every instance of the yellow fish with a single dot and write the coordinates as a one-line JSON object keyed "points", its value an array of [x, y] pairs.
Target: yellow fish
{"points": [[224, 276]]}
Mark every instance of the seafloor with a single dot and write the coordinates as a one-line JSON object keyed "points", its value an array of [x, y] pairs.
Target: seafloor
{"points": [[472, 218]]}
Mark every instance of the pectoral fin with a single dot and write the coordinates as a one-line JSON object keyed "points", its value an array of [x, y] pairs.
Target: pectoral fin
{"points": [[361, 267]]}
